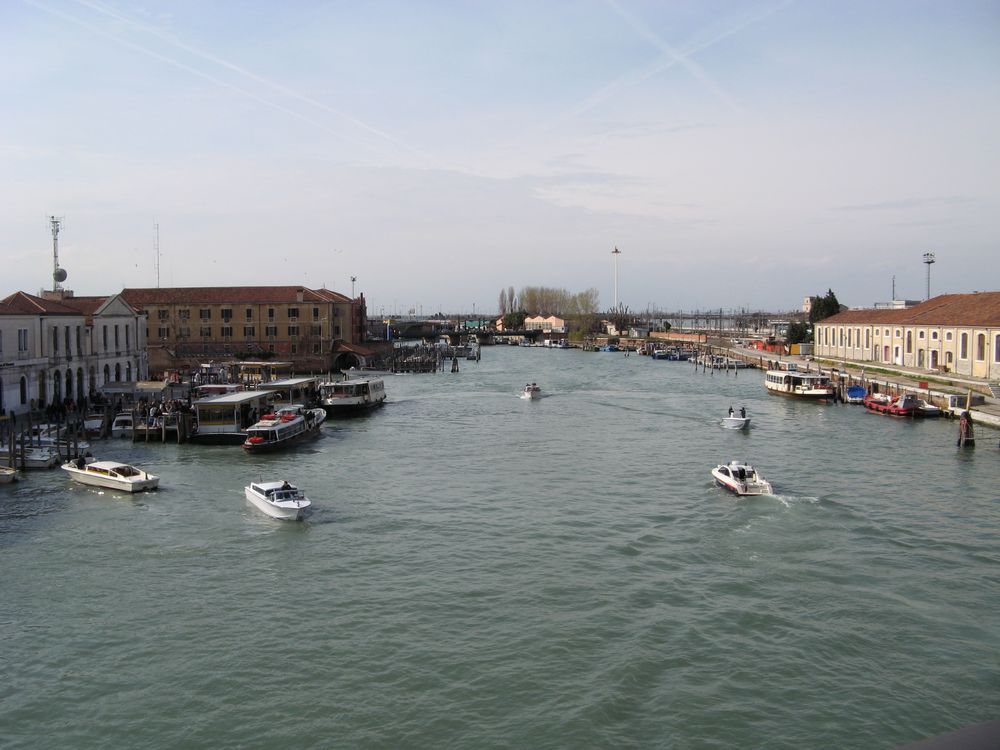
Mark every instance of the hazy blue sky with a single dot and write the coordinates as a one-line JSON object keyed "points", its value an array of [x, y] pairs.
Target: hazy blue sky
{"points": [[738, 153]]}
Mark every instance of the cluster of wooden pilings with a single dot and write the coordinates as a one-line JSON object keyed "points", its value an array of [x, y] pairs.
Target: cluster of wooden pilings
{"points": [[17, 439]]}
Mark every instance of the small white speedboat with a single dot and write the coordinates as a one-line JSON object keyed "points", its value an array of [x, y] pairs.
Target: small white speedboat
{"points": [[7, 475], [37, 457], [740, 478], [111, 475], [926, 409], [122, 426], [736, 423], [531, 391], [278, 500]]}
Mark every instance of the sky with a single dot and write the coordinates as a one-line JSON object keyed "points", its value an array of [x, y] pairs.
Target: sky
{"points": [[741, 155]]}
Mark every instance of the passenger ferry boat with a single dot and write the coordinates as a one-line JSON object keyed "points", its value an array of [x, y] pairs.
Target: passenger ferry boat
{"points": [[288, 425], [800, 384], [348, 397]]}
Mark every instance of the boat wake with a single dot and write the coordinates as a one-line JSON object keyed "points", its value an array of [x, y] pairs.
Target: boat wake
{"points": [[789, 500]]}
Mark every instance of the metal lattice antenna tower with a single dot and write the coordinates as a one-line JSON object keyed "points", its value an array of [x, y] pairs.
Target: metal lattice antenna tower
{"points": [[58, 274], [929, 260], [614, 254]]}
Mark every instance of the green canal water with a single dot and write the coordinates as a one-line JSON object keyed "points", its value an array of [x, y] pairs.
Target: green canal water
{"points": [[486, 572]]}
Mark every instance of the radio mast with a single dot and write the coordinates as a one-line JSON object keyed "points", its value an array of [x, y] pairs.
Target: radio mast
{"points": [[58, 274]]}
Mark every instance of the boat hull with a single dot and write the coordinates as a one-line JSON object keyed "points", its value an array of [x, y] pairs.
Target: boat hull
{"points": [[138, 484], [736, 423], [7, 475], [282, 513]]}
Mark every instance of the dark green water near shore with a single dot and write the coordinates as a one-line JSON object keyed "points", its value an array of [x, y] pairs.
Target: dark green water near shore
{"points": [[486, 572]]}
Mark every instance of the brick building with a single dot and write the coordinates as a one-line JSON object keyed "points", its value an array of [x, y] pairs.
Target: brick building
{"points": [[315, 329]]}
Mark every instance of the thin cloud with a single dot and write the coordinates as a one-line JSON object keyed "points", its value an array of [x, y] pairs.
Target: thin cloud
{"points": [[99, 7], [905, 203]]}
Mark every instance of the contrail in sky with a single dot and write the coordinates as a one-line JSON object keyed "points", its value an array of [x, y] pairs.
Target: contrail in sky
{"points": [[680, 58], [635, 77], [208, 77], [112, 13]]}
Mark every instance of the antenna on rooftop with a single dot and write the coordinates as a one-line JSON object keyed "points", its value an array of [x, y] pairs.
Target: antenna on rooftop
{"points": [[156, 250], [614, 254], [58, 274], [353, 279]]}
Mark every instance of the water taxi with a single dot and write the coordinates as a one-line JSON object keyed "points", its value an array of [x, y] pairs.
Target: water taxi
{"points": [[122, 426], [531, 391], [288, 425], [279, 500], [111, 475]]}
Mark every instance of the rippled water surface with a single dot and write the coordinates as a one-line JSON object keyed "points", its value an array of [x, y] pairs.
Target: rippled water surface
{"points": [[487, 572]]}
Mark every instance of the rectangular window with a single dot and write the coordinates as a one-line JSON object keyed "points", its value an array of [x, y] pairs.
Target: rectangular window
{"points": [[293, 313], [315, 348], [205, 331], [205, 313], [270, 313], [128, 338], [163, 314], [336, 330], [227, 314], [293, 330], [79, 341], [295, 349], [249, 331], [271, 331], [249, 314], [315, 330], [1, 342], [315, 313], [184, 314], [163, 332], [55, 340], [22, 339], [184, 332], [227, 332]]}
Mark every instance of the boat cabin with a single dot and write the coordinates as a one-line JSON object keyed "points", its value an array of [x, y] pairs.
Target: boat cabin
{"points": [[299, 390], [225, 418]]}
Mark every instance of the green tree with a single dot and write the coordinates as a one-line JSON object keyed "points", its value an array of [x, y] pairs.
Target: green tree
{"points": [[824, 307], [798, 332]]}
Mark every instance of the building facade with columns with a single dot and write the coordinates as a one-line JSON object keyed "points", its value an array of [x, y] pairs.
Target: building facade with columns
{"points": [[957, 333], [58, 347]]}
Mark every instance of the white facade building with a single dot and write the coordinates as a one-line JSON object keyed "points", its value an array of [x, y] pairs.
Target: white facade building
{"points": [[59, 347]]}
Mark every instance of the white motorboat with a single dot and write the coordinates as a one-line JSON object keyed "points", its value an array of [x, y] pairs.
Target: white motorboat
{"points": [[735, 423], [122, 426], [288, 425], [111, 475], [278, 500], [35, 457], [93, 423], [740, 478], [531, 391], [7, 475], [926, 409], [351, 396]]}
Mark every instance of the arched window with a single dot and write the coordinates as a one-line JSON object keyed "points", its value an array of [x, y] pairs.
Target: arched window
{"points": [[43, 389], [24, 390], [980, 347], [963, 346], [909, 342]]}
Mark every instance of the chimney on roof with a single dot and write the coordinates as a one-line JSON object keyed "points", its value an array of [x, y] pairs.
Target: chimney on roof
{"points": [[300, 294]]}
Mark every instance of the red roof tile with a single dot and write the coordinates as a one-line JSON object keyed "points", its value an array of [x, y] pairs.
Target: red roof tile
{"points": [[21, 303], [977, 309], [228, 295]]}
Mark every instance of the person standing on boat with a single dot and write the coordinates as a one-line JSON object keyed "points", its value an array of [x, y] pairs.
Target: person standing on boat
{"points": [[743, 412], [730, 410]]}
